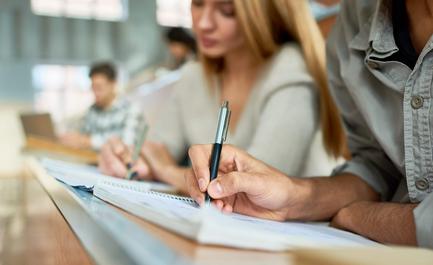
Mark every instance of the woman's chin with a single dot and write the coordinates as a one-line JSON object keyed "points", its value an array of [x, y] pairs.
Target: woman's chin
{"points": [[212, 53]]}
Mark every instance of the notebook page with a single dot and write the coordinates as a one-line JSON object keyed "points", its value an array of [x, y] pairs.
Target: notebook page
{"points": [[75, 175], [179, 214], [86, 176], [182, 216], [168, 204], [318, 233]]}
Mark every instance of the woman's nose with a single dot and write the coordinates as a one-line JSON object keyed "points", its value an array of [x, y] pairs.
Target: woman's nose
{"points": [[206, 21]]}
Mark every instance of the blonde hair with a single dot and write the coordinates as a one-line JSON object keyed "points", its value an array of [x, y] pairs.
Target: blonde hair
{"points": [[267, 25]]}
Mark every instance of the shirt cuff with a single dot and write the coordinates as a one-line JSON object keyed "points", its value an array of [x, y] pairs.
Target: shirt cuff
{"points": [[367, 172], [423, 215]]}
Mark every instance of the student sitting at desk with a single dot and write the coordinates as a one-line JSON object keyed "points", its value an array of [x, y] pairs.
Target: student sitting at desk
{"points": [[108, 116], [267, 59], [381, 67]]}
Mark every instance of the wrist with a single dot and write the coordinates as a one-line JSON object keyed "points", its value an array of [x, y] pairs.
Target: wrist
{"points": [[343, 219], [163, 173], [299, 199]]}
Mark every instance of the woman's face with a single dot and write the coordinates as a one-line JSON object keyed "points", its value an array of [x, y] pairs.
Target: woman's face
{"points": [[216, 27]]}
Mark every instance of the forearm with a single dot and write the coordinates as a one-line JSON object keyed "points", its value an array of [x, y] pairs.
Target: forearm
{"points": [[174, 175], [323, 197], [163, 165], [389, 223]]}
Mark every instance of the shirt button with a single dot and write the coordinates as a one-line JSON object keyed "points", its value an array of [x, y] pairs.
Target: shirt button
{"points": [[373, 65], [422, 184], [417, 102]]}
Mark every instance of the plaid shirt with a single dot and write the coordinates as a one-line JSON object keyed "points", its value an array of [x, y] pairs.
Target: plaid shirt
{"points": [[122, 119]]}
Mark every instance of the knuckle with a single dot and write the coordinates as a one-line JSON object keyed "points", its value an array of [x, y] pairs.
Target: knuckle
{"points": [[232, 181], [192, 150]]}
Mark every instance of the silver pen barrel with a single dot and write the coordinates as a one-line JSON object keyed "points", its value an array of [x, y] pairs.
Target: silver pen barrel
{"points": [[223, 123]]}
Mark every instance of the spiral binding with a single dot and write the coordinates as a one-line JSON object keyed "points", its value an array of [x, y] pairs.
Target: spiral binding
{"points": [[136, 188]]}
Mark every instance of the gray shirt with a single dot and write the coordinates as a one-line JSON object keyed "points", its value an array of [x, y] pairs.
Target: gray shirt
{"points": [[279, 123], [386, 108]]}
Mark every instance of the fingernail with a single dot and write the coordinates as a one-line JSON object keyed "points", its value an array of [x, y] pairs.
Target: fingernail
{"points": [[202, 184], [218, 188]]}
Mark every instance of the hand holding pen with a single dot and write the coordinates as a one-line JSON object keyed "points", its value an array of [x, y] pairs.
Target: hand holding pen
{"points": [[119, 160], [137, 151]]}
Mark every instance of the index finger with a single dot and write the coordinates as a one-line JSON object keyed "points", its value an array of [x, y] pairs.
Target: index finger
{"points": [[192, 186], [200, 155], [121, 150], [110, 164]]}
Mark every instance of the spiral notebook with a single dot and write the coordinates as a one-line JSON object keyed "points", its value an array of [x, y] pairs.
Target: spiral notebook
{"points": [[207, 225], [86, 177]]}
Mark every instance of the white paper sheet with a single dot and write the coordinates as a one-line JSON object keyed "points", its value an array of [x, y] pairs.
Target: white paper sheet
{"points": [[86, 176], [208, 225]]}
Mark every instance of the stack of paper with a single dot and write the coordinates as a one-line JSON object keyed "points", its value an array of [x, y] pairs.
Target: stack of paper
{"points": [[208, 226], [205, 225]]}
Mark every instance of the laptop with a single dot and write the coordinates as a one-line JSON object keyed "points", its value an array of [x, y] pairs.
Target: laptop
{"points": [[39, 125]]}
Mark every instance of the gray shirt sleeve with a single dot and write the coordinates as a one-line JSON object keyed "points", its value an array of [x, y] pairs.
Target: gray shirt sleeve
{"points": [[286, 128], [369, 161], [169, 128]]}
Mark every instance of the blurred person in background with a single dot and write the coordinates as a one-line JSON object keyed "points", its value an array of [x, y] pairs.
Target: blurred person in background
{"points": [[109, 115], [181, 46]]}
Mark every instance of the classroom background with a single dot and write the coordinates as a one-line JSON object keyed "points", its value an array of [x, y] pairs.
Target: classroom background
{"points": [[47, 46]]}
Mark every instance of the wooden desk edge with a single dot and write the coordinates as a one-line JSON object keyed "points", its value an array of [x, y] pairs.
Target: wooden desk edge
{"points": [[87, 230], [45, 145]]}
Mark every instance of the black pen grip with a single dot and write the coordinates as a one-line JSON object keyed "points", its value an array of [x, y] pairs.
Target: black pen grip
{"points": [[214, 164]]}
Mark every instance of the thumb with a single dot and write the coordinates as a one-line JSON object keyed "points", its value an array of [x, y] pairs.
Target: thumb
{"points": [[142, 168], [236, 182]]}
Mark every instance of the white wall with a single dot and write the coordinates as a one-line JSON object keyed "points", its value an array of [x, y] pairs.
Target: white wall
{"points": [[27, 40], [11, 139]]}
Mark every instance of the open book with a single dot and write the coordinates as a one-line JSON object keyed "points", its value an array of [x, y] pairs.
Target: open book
{"points": [[208, 226], [86, 177]]}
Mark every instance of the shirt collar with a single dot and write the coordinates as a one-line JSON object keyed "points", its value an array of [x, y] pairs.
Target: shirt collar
{"points": [[114, 106], [377, 32]]}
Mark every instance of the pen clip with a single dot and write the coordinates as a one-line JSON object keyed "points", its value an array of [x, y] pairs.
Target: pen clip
{"points": [[226, 125]]}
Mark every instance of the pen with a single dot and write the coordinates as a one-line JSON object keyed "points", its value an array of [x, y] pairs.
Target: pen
{"points": [[137, 149], [221, 135]]}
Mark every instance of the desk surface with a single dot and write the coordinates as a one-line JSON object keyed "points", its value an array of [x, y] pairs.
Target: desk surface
{"points": [[37, 145], [44, 220], [32, 231]]}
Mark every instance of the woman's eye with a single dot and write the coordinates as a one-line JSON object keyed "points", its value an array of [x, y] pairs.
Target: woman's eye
{"points": [[197, 3], [227, 10]]}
